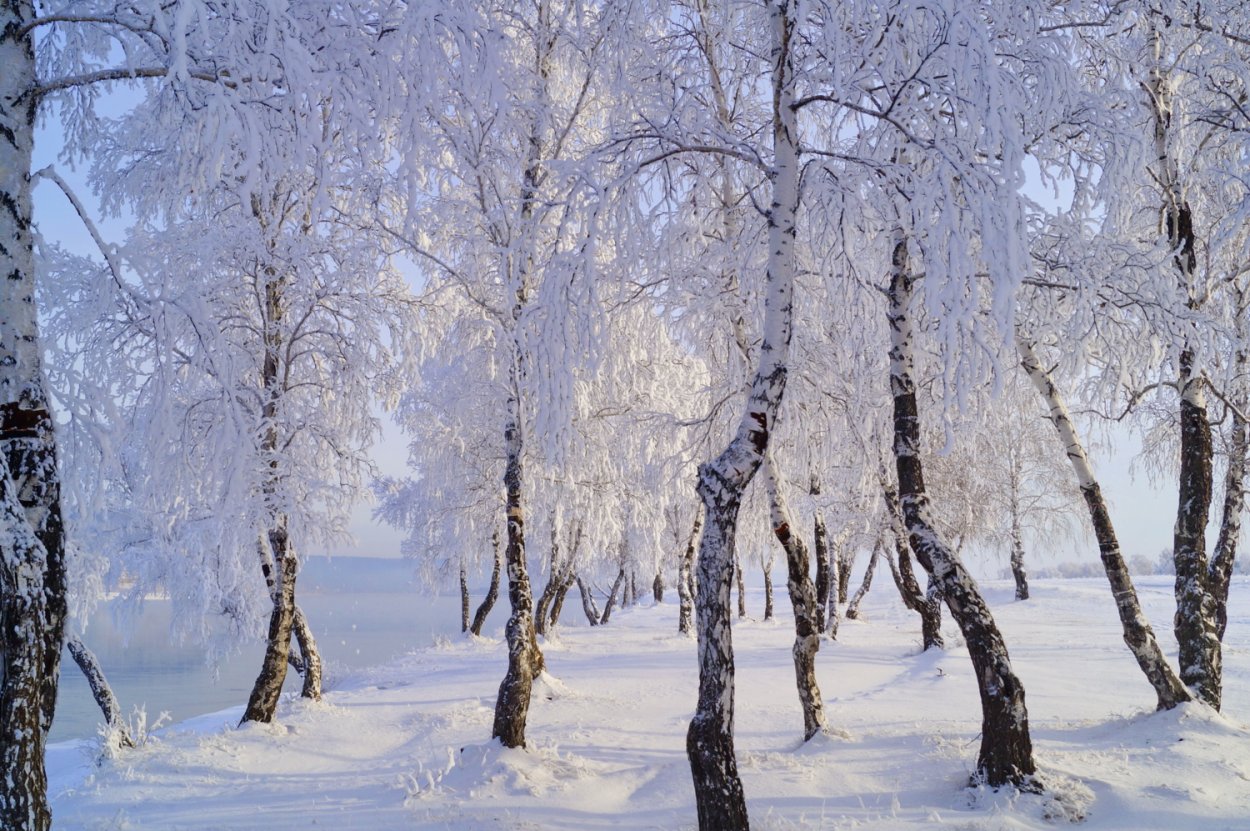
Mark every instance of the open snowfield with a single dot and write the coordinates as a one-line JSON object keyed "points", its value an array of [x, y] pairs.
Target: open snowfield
{"points": [[404, 745]]}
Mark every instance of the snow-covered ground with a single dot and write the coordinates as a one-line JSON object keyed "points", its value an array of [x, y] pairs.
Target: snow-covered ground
{"points": [[404, 745]]}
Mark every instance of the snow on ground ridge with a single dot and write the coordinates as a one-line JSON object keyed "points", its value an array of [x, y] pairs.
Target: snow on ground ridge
{"points": [[404, 745]]}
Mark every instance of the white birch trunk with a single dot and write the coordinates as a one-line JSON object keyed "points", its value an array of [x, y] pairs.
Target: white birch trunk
{"points": [[709, 741], [1138, 635], [32, 562], [1006, 754]]}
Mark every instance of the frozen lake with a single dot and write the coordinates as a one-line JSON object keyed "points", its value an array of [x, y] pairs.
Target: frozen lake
{"points": [[363, 611]]}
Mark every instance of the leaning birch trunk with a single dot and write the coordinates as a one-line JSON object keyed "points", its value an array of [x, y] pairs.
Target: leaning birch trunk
{"points": [[32, 548], [492, 591], [852, 608], [685, 581], [1006, 754], [588, 603], [710, 740], [311, 664], [612, 595], [1138, 635], [262, 704], [557, 605], [513, 703], [803, 599], [101, 690], [926, 604], [1220, 571]]}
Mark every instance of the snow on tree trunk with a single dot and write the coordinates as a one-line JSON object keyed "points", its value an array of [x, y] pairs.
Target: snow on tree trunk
{"points": [[513, 704], [820, 543], [32, 549], [612, 595], [709, 741], [768, 589], [311, 664], [1194, 621], [492, 592], [833, 617], [803, 599], [101, 690], [1006, 754], [1195, 625], [927, 605], [1138, 635], [852, 609], [262, 704], [1220, 571], [588, 603], [685, 580]]}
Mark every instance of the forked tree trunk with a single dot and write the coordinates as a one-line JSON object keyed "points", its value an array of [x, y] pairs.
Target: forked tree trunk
{"points": [[101, 690], [1222, 561], [1138, 635], [1006, 754], [833, 617], [820, 544], [492, 591], [768, 589], [926, 604], [311, 656], [685, 580], [262, 704], [558, 605], [32, 548], [709, 741], [464, 599], [612, 595], [852, 609], [588, 603], [1194, 623], [803, 599]]}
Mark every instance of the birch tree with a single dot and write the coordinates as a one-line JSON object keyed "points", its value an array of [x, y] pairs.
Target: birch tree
{"points": [[67, 53]]}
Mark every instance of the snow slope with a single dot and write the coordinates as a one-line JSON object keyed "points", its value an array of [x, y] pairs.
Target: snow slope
{"points": [[403, 746]]}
